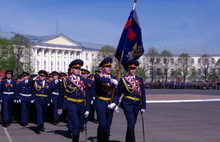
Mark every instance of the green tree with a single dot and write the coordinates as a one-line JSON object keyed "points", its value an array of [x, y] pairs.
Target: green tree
{"points": [[184, 63], [141, 72], [105, 51], [165, 64], [7, 55], [153, 59], [23, 53], [207, 65]]}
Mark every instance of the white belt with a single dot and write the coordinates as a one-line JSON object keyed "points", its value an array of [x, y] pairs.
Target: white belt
{"points": [[8, 93], [25, 95], [55, 93]]}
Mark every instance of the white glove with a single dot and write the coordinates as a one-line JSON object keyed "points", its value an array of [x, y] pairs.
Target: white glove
{"points": [[32, 101], [91, 102], [59, 111], [116, 109], [51, 100], [48, 104], [19, 101], [111, 106], [86, 114], [15, 101], [0, 101], [114, 81], [35, 78], [142, 110]]}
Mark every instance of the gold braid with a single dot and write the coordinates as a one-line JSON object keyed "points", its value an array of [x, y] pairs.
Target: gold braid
{"points": [[129, 89], [103, 85], [66, 86], [37, 87]]}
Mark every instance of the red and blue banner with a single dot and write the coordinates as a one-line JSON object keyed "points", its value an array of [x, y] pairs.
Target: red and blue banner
{"points": [[130, 45], [2, 73]]}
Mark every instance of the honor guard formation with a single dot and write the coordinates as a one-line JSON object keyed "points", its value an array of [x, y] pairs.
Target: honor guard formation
{"points": [[74, 97]]}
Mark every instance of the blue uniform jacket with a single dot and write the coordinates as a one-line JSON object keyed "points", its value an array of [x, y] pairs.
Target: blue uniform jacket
{"points": [[46, 90], [129, 104], [76, 94], [91, 87], [24, 91], [104, 91], [7, 89], [55, 89]]}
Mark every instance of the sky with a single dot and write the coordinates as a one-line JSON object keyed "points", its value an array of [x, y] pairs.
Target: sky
{"points": [[164, 23]]}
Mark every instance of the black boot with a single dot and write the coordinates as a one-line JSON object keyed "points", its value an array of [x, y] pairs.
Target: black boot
{"points": [[69, 133], [130, 137], [106, 137], [100, 134], [40, 128], [5, 123], [75, 138]]}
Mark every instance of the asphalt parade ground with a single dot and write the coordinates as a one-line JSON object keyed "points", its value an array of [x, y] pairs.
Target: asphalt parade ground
{"points": [[171, 116]]}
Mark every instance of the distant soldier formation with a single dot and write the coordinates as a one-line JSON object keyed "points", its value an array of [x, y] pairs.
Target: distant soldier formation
{"points": [[183, 85], [74, 97]]}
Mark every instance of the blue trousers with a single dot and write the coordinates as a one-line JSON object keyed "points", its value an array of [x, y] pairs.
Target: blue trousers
{"points": [[41, 111], [7, 109], [25, 109], [55, 114], [131, 117], [75, 117], [105, 119]]}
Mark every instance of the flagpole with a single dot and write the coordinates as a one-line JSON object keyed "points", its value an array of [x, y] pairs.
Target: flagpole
{"points": [[119, 67]]}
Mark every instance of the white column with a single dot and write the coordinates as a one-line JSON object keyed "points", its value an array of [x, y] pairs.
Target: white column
{"points": [[56, 51], [74, 55], [49, 60], [62, 60], [35, 57], [68, 57], [42, 58]]}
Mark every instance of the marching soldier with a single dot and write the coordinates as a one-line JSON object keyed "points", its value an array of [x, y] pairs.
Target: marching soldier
{"points": [[103, 104], [134, 100], [84, 75], [74, 98], [8, 96], [42, 92], [92, 97], [55, 84], [25, 95]]}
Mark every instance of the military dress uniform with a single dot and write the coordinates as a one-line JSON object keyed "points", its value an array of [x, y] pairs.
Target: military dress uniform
{"points": [[8, 96], [74, 99], [103, 100], [55, 93], [25, 96], [134, 99], [42, 97], [91, 85]]}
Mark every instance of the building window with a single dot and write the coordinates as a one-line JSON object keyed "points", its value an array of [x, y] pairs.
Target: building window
{"points": [[93, 56], [192, 61], [44, 65], [58, 66], [38, 64], [172, 61], [199, 61], [51, 66], [213, 61], [87, 57], [199, 71]]}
